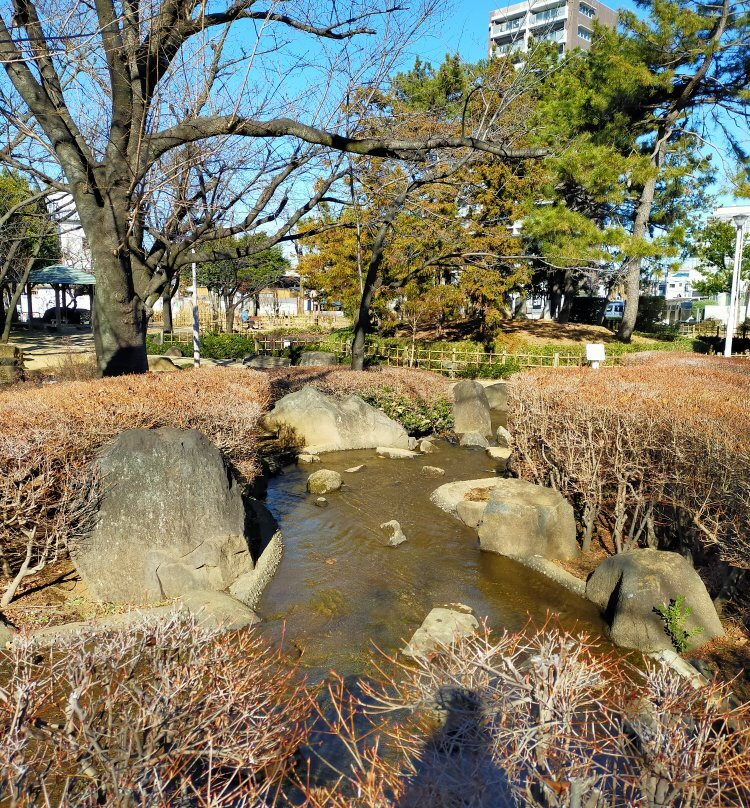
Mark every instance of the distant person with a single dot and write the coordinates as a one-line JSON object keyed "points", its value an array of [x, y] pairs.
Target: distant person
{"points": [[245, 318]]}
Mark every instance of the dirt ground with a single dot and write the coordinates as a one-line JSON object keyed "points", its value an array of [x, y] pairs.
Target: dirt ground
{"points": [[527, 332]]}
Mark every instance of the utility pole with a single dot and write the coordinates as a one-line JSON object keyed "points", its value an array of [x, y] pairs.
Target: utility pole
{"points": [[738, 215]]}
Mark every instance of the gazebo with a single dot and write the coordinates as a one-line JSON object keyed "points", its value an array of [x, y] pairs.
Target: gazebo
{"points": [[60, 278]]}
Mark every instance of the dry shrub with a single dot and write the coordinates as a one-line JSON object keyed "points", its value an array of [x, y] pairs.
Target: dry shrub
{"points": [[172, 716], [49, 435], [541, 720], [655, 452], [162, 715], [415, 384]]}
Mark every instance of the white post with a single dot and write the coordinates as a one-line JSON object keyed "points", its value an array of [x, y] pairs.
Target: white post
{"points": [[739, 221], [196, 322]]}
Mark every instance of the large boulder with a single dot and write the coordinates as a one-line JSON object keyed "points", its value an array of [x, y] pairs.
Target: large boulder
{"points": [[471, 409], [497, 396], [318, 358], [523, 519], [440, 629], [325, 424], [448, 496], [171, 519], [628, 587]]}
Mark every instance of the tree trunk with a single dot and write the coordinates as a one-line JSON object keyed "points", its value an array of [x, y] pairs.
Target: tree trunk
{"points": [[362, 317], [166, 299], [119, 318], [640, 229], [570, 289], [228, 315]]}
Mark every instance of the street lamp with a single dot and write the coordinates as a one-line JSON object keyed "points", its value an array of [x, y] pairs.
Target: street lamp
{"points": [[738, 215]]}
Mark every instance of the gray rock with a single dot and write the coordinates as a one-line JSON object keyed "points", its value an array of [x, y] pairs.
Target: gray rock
{"points": [[396, 534], [324, 481], [471, 409], [503, 437], [173, 350], [266, 362], [449, 495], [219, 610], [426, 446], [440, 629], [627, 587], [413, 444], [321, 502], [308, 458], [318, 358], [497, 396], [267, 549], [325, 424], [394, 453], [523, 519], [355, 469], [474, 439], [171, 519], [470, 512], [432, 471], [161, 364], [501, 455], [107, 624]]}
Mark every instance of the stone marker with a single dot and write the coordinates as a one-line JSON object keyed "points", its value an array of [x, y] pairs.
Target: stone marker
{"points": [[627, 587], [471, 410], [441, 628], [171, 519], [523, 519], [318, 358], [324, 481], [325, 424], [173, 350], [397, 535]]}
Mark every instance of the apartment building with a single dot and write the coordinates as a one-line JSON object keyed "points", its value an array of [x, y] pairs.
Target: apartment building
{"points": [[568, 23]]}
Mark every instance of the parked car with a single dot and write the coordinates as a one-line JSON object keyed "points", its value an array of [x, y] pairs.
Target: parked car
{"points": [[615, 310], [67, 316]]}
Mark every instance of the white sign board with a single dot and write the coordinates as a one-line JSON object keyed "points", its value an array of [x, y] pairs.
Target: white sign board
{"points": [[594, 352]]}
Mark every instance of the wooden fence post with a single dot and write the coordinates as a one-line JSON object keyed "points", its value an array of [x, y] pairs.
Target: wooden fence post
{"points": [[556, 360]]}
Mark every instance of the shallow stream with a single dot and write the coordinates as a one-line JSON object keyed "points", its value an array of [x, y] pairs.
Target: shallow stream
{"points": [[340, 588]]}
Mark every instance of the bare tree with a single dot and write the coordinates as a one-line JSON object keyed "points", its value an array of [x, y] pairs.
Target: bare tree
{"points": [[98, 95]]}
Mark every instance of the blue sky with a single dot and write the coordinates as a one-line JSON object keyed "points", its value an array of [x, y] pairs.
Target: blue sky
{"points": [[465, 30]]}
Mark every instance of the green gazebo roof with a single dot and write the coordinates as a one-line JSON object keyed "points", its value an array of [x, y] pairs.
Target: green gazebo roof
{"points": [[60, 274]]}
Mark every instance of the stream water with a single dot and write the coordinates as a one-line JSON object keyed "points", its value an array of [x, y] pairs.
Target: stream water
{"points": [[340, 588]]}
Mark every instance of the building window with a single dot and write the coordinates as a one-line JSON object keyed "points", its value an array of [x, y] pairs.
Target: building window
{"points": [[587, 11], [584, 33], [548, 15]]}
